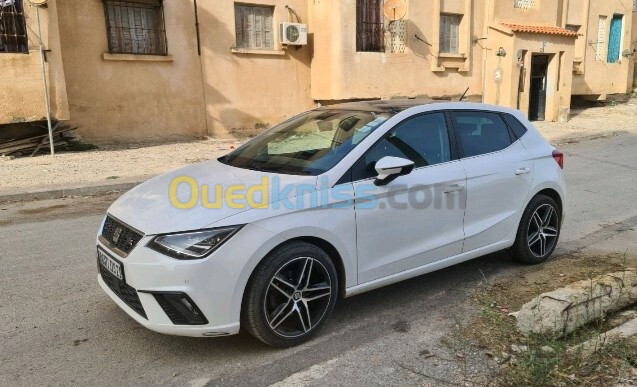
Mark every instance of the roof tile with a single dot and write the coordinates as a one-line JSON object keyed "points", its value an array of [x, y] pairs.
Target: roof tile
{"points": [[549, 30]]}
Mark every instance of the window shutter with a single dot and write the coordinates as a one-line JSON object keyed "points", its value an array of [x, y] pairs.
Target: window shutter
{"points": [[128, 30], [258, 28], [444, 34], [144, 38], [248, 29], [238, 25], [113, 32], [267, 30], [453, 36], [135, 28], [253, 26]]}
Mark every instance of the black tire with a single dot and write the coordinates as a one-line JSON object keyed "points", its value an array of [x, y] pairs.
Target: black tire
{"points": [[268, 299], [526, 248]]}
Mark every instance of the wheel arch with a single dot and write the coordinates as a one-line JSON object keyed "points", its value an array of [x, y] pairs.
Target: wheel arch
{"points": [[321, 243], [553, 194]]}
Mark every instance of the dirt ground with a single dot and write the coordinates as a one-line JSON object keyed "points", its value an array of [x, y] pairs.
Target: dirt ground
{"points": [[111, 164]]}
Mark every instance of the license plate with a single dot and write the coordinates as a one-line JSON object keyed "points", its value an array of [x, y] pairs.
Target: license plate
{"points": [[110, 264]]}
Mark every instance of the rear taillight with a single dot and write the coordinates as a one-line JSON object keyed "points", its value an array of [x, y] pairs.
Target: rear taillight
{"points": [[559, 158]]}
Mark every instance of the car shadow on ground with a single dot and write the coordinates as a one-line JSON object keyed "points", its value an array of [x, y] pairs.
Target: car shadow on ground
{"points": [[455, 282]]}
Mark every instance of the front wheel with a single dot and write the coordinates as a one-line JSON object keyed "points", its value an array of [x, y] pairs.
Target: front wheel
{"points": [[538, 232], [290, 295]]}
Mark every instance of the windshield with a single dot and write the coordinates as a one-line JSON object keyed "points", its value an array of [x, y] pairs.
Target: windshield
{"points": [[309, 144]]}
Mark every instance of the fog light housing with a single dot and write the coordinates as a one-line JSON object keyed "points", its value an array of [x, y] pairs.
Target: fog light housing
{"points": [[180, 308]]}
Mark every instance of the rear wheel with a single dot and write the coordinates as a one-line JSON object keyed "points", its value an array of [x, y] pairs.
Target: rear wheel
{"points": [[290, 295], [538, 232]]}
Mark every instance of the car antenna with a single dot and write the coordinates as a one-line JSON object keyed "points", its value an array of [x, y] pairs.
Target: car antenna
{"points": [[463, 95]]}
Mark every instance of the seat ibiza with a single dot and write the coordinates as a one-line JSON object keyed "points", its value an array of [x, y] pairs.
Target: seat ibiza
{"points": [[330, 203]]}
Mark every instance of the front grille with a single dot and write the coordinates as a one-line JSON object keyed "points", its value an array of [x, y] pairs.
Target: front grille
{"points": [[119, 235], [125, 292]]}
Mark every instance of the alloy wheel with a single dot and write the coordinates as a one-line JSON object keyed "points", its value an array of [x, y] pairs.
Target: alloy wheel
{"points": [[297, 297], [543, 230]]}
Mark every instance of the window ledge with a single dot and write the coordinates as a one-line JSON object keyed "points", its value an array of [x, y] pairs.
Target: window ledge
{"points": [[451, 55], [253, 51], [139, 58]]}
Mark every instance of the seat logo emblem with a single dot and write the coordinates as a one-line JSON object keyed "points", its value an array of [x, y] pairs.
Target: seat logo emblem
{"points": [[117, 234]]}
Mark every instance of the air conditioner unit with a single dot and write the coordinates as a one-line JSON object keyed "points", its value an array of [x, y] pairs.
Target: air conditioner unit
{"points": [[294, 34]]}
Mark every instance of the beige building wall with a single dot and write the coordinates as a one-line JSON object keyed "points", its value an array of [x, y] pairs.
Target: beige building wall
{"points": [[545, 12], [226, 91], [634, 49], [513, 90], [21, 83], [598, 77], [128, 98], [249, 90], [508, 78], [339, 72]]}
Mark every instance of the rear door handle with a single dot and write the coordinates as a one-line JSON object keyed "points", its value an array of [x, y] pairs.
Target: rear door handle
{"points": [[453, 188], [522, 171]]}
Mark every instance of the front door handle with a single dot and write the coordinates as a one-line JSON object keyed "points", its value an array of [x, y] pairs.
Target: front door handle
{"points": [[522, 171], [453, 188]]}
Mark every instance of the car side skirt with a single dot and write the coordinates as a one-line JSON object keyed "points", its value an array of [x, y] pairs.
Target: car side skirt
{"points": [[428, 268]]}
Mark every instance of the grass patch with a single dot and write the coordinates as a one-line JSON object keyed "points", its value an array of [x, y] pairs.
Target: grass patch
{"points": [[541, 360]]}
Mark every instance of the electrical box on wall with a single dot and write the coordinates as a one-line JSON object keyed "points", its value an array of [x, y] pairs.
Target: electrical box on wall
{"points": [[294, 34]]}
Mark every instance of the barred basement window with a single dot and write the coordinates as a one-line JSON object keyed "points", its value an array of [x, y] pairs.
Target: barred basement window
{"points": [[370, 26], [525, 4], [136, 27], [253, 27], [13, 30], [449, 33]]}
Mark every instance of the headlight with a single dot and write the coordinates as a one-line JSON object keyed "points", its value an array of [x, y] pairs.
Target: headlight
{"points": [[193, 244]]}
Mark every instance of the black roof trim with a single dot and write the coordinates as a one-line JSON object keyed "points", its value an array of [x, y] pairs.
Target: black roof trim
{"points": [[381, 106]]}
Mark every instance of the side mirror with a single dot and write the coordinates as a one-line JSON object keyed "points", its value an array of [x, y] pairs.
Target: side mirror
{"points": [[389, 168]]}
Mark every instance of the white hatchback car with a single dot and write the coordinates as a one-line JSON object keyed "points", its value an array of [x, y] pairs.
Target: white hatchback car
{"points": [[331, 203]]}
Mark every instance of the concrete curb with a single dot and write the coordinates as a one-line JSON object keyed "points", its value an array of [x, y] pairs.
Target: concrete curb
{"points": [[66, 192]]}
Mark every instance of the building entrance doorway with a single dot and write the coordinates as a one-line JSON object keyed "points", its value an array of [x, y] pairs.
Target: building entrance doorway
{"points": [[537, 98]]}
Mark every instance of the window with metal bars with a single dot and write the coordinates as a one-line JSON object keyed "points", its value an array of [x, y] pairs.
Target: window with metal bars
{"points": [[253, 26], [370, 26], [524, 4], [601, 36], [136, 27], [13, 30]]}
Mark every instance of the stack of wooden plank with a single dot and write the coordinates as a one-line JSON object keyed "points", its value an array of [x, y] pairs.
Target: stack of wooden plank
{"points": [[35, 143]]}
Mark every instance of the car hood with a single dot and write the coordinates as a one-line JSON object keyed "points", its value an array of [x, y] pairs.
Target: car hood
{"points": [[149, 209]]}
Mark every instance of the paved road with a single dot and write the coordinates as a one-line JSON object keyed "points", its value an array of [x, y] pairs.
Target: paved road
{"points": [[58, 328]]}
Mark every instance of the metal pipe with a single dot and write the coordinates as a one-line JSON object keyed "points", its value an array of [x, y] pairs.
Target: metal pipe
{"points": [[485, 50], [197, 29], [45, 81]]}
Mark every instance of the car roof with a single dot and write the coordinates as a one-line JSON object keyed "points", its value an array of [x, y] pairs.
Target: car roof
{"points": [[395, 106]]}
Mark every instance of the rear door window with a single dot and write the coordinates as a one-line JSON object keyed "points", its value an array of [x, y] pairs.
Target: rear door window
{"points": [[480, 132]]}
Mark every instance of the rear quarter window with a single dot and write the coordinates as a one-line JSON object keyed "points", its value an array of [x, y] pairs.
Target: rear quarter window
{"points": [[518, 128]]}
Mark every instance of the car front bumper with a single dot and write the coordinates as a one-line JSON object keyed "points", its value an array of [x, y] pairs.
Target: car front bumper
{"points": [[215, 284]]}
